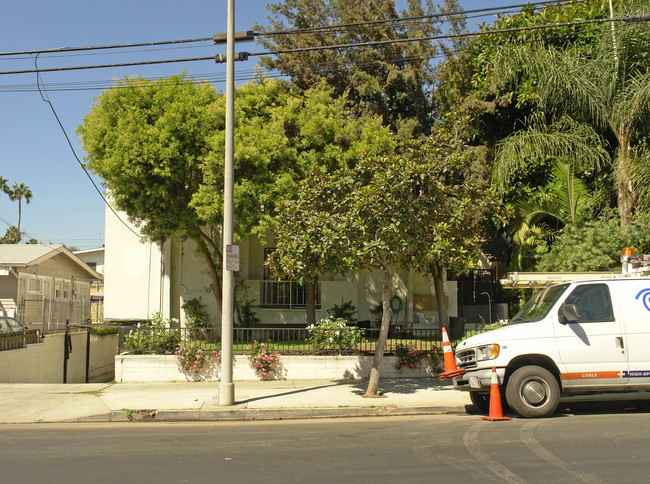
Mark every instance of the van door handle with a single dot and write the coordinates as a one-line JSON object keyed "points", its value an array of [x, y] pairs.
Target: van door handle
{"points": [[619, 343]]}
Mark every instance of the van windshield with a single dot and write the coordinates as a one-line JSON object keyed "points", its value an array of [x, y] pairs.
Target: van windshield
{"points": [[539, 305]]}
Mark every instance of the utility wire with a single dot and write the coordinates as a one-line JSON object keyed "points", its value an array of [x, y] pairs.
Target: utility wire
{"points": [[104, 66], [447, 15], [486, 11], [632, 18], [98, 47], [65, 133]]}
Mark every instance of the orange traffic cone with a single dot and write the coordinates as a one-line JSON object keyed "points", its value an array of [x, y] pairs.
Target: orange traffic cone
{"points": [[496, 413], [451, 370]]}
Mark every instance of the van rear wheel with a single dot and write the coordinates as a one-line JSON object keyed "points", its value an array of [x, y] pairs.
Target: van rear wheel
{"points": [[533, 392]]}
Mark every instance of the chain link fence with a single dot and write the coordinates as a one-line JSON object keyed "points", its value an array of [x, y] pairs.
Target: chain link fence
{"points": [[50, 315]]}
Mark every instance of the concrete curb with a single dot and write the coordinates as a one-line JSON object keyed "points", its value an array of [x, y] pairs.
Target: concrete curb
{"points": [[245, 414]]}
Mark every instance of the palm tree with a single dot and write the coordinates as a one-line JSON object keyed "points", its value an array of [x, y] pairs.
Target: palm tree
{"points": [[4, 186], [584, 101], [539, 215], [18, 192]]}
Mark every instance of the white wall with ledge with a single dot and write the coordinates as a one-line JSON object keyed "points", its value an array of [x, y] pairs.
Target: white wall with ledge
{"points": [[163, 368]]}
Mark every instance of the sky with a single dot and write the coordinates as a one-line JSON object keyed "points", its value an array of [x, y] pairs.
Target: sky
{"points": [[66, 208]]}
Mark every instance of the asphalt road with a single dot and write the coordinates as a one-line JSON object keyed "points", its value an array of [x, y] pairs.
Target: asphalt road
{"points": [[612, 447]]}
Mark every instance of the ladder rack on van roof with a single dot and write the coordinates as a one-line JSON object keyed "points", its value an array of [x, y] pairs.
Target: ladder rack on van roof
{"points": [[631, 266]]}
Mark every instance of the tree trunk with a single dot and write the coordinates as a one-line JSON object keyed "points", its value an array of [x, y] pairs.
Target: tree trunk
{"points": [[310, 289], [214, 274], [439, 285], [20, 213], [625, 191], [373, 383]]}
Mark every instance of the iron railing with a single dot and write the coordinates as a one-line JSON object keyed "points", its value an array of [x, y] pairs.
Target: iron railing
{"points": [[352, 340], [286, 294]]}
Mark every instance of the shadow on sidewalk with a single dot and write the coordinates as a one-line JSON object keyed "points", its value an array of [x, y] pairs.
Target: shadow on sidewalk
{"points": [[403, 386]]}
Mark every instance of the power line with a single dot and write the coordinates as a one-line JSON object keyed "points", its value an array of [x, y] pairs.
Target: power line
{"points": [[105, 66], [240, 75], [633, 18], [447, 15], [100, 47], [65, 133]]}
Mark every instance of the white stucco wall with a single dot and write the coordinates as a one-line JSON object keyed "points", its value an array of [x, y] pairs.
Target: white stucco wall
{"points": [[163, 368], [135, 281], [43, 362], [142, 278]]}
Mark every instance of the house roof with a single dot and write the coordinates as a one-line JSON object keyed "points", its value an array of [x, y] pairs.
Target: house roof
{"points": [[98, 250], [25, 255]]}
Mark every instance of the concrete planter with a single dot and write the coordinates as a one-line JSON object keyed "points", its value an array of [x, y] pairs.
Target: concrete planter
{"points": [[163, 368]]}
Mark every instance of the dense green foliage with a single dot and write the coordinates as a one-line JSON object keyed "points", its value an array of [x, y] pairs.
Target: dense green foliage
{"points": [[391, 79], [594, 246], [159, 147], [196, 313]]}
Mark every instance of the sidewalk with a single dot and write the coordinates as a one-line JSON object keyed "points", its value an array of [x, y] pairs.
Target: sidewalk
{"points": [[288, 399]]}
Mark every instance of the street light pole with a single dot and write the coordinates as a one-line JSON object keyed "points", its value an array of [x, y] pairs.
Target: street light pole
{"points": [[227, 387], [489, 304]]}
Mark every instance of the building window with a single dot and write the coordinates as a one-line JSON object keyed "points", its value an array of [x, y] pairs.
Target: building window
{"points": [[34, 285], [284, 294]]}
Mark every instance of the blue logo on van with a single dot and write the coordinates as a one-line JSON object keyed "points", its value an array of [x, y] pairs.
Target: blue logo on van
{"points": [[645, 297]]}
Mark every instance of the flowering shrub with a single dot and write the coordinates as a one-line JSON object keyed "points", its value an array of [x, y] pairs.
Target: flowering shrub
{"points": [[264, 361], [410, 358], [192, 358], [154, 337], [332, 334]]}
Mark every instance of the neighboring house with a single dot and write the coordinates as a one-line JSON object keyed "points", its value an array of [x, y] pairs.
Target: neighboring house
{"points": [[141, 278], [95, 259], [44, 285]]}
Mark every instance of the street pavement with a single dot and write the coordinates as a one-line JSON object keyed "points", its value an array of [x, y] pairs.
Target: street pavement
{"points": [[198, 401]]}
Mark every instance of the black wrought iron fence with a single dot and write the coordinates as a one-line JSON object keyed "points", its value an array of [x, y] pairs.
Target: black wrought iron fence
{"points": [[351, 340]]}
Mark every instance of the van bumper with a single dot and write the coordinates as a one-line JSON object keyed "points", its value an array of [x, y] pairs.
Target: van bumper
{"points": [[477, 380]]}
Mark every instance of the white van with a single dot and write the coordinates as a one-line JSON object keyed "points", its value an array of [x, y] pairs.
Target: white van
{"points": [[587, 336]]}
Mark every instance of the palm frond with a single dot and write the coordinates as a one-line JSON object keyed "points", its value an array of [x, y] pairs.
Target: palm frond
{"points": [[564, 139], [637, 171], [633, 104], [565, 82]]}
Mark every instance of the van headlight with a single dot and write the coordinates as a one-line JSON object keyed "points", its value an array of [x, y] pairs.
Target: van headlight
{"points": [[488, 352]]}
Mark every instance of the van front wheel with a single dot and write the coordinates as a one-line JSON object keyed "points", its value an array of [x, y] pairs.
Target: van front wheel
{"points": [[533, 392], [480, 401]]}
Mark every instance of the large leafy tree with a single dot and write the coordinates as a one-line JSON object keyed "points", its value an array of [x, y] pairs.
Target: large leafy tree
{"points": [[281, 135], [159, 148], [420, 212], [390, 78], [148, 140], [590, 99]]}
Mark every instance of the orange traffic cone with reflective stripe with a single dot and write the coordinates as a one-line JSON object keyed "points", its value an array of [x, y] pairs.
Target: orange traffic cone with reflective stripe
{"points": [[451, 370], [496, 413]]}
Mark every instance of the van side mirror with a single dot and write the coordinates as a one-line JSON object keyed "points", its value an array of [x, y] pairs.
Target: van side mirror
{"points": [[568, 314]]}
